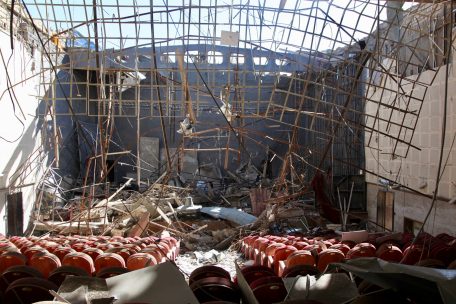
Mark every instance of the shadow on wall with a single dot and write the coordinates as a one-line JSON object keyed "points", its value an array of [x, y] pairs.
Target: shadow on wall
{"points": [[22, 151]]}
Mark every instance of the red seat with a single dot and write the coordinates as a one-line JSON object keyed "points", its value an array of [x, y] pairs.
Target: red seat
{"points": [[45, 262], [93, 252], [109, 272], [61, 252], [300, 270], [58, 275], [32, 250], [300, 245], [413, 254], [79, 259], [329, 256], [14, 273], [318, 247], [124, 252], [11, 258], [206, 272], [108, 260], [104, 246], [300, 257], [259, 242], [270, 251], [269, 290], [140, 260], [361, 250], [79, 247], [390, 253], [282, 254], [252, 273], [155, 252], [29, 290], [215, 288], [342, 247], [160, 248]]}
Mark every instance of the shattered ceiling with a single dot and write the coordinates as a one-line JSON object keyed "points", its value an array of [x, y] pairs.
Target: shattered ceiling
{"points": [[304, 82]]}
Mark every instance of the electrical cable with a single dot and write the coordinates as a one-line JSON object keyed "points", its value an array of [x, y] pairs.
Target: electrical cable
{"points": [[12, 98], [11, 24]]}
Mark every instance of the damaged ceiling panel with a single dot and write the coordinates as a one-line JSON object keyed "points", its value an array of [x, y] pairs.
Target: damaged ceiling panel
{"points": [[236, 82]]}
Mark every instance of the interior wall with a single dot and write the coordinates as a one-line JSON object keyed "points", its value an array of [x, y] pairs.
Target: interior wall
{"points": [[19, 124], [418, 170]]}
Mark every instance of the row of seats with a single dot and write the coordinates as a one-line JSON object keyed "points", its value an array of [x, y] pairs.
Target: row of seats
{"points": [[30, 266], [284, 253], [212, 284]]}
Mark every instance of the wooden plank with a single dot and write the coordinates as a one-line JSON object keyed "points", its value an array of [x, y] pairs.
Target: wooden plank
{"points": [[163, 215], [139, 228], [188, 100], [69, 227]]}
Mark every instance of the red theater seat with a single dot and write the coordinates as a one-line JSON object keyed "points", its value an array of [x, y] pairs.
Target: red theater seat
{"points": [[11, 258], [108, 260], [300, 257], [269, 290], [109, 272], [81, 260], [252, 273], [45, 262], [58, 275], [329, 256], [29, 290], [14, 273], [206, 272], [140, 260], [390, 253]]}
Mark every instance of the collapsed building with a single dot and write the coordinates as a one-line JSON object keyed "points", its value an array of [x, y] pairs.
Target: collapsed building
{"points": [[205, 125]]}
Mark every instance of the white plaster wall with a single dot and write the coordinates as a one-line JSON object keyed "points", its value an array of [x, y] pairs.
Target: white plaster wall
{"points": [[21, 65], [419, 169]]}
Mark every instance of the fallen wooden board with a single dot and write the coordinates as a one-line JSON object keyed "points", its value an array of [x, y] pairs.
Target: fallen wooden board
{"points": [[105, 201], [70, 227], [139, 228]]}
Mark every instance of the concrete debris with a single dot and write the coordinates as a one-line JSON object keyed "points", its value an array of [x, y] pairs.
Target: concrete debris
{"points": [[226, 259], [208, 257]]}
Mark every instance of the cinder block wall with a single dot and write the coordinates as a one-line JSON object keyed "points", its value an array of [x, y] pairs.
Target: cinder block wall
{"points": [[419, 169]]}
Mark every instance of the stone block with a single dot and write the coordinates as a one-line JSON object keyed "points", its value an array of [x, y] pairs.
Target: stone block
{"points": [[434, 154], [432, 173], [436, 109], [415, 170], [425, 140]]}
